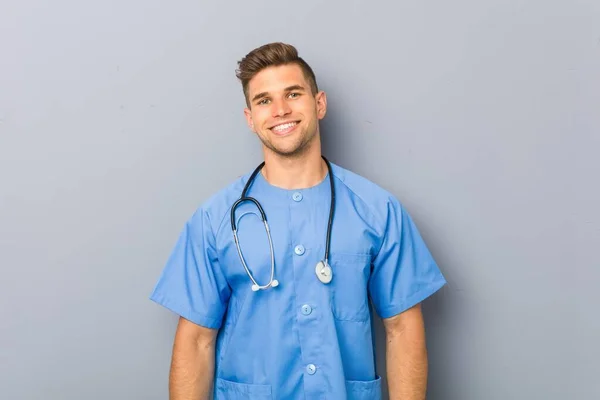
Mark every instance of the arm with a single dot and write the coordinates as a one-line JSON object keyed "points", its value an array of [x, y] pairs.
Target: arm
{"points": [[406, 355], [193, 362]]}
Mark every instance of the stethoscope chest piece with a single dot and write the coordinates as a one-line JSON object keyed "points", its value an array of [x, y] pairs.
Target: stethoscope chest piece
{"points": [[324, 272]]}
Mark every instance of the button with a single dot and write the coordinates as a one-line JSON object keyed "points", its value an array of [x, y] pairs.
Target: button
{"points": [[299, 250], [297, 196], [311, 369], [306, 309]]}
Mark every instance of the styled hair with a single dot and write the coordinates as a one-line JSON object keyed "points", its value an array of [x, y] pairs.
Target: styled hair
{"points": [[272, 55]]}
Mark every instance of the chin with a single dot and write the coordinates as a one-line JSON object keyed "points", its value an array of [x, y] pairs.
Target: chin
{"points": [[288, 148], [286, 151]]}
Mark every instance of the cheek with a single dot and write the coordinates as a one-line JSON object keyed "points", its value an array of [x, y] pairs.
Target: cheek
{"points": [[260, 118], [310, 110]]}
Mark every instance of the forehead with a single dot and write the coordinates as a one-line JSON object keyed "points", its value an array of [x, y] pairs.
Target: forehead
{"points": [[274, 79]]}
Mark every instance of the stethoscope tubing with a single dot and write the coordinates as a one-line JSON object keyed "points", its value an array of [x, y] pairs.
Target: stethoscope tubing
{"points": [[244, 198]]}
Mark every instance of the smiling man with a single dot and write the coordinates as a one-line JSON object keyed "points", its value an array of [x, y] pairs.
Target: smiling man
{"points": [[274, 276]]}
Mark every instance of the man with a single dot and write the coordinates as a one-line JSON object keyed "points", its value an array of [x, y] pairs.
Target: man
{"points": [[282, 310]]}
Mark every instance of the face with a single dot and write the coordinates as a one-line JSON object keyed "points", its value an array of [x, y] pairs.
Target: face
{"points": [[283, 112]]}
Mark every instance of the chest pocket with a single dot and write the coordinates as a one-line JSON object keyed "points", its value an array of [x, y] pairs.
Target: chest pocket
{"points": [[349, 294]]}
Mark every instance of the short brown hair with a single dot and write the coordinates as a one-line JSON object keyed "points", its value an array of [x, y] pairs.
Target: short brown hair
{"points": [[272, 55]]}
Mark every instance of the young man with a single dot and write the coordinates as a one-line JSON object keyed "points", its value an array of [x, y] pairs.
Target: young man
{"points": [[281, 310]]}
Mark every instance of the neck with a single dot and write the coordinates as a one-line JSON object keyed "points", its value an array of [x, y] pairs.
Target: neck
{"points": [[302, 172]]}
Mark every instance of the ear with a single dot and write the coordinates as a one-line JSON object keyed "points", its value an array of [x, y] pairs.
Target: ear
{"points": [[321, 99], [249, 121]]}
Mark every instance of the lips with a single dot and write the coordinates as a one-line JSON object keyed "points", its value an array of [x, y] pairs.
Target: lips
{"points": [[286, 127]]}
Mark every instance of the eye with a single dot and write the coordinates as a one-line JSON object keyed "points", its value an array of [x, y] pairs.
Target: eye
{"points": [[294, 95], [263, 101]]}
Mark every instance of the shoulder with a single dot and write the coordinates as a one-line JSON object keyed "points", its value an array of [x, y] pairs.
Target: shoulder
{"points": [[377, 200], [213, 211]]}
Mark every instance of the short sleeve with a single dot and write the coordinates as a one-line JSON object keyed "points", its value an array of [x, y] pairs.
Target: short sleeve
{"points": [[404, 271], [192, 284]]}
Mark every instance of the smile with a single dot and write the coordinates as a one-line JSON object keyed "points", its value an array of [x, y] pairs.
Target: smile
{"points": [[284, 128]]}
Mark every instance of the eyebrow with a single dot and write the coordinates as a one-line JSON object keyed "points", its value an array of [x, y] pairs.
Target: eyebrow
{"points": [[287, 89]]}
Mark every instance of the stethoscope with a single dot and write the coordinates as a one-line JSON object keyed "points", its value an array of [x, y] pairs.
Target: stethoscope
{"points": [[322, 269]]}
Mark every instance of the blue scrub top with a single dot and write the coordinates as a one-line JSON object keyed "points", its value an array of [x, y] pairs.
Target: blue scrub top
{"points": [[302, 339]]}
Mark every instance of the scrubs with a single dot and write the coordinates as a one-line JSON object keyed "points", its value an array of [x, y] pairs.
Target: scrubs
{"points": [[303, 339]]}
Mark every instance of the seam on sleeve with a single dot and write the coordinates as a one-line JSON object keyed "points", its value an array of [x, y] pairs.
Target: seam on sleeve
{"points": [[228, 209], [390, 200], [185, 312], [368, 207], [414, 299], [221, 223]]}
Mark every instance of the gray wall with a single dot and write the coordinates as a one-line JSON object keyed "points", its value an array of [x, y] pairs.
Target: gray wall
{"points": [[117, 118]]}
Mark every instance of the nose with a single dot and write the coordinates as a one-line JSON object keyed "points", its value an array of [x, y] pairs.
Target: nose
{"points": [[281, 108]]}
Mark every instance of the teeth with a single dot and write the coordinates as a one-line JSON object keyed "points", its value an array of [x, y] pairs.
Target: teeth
{"points": [[283, 127]]}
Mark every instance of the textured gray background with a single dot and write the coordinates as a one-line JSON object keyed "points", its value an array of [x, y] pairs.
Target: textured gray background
{"points": [[117, 118]]}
